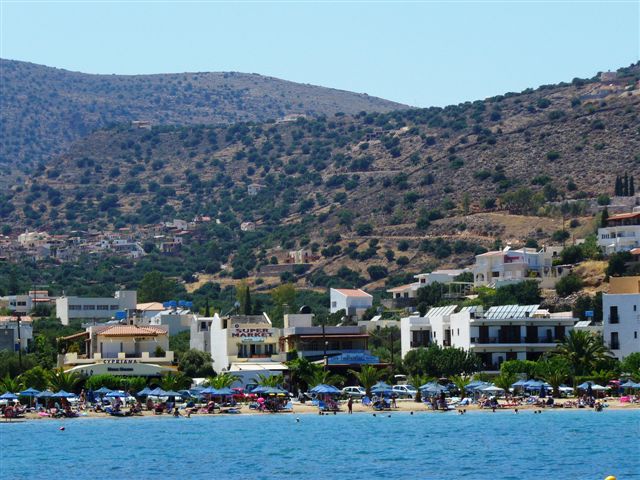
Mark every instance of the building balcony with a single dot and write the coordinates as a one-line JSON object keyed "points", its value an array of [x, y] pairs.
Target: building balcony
{"points": [[142, 357], [423, 344], [527, 341]]}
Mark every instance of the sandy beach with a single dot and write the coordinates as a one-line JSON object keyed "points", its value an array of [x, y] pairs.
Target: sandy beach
{"points": [[358, 408]]}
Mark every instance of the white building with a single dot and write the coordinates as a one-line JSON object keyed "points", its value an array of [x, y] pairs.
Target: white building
{"points": [[125, 350], [94, 308], [405, 295], [33, 239], [25, 303], [621, 233], [175, 319], [507, 332], [353, 301], [244, 343], [502, 267], [621, 316], [12, 339]]}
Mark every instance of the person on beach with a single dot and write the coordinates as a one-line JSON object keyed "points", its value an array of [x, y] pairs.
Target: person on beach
{"points": [[350, 405]]}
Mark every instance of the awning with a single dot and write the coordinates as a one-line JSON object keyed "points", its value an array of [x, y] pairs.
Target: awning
{"points": [[333, 336], [250, 366], [75, 336]]}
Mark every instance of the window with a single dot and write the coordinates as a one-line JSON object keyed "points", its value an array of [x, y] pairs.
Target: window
{"points": [[103, 307], [88, 307], [635, 334], [613, 314], [334, 304], [615, 342], [114, 307], [75, 307]]}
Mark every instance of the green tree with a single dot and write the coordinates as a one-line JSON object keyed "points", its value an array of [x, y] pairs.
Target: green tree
{"points": [[583, 351], [568, 285], [367, 377], [301, 369], [265, 380], [504, 381], [177, 381], [517, 367], [154, 287], [631, 365], [618, 264], [461, 382], [8, 384], [555, 371], [244, 298], [61, 380], [222, 380], [437, 361], [194, 363], [322, 376], [36, 377]]}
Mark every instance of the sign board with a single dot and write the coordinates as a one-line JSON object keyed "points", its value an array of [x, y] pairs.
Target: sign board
{"points": [[252, 333], [353, 359], [588, 313]]}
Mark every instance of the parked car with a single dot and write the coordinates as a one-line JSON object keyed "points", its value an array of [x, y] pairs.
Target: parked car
{"points": [[354, 392], [405, 391]]}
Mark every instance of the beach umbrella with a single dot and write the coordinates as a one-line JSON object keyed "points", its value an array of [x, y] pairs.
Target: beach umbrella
{"points": [[381, 385], [519, 383], [8, 396], [171, 393], [598, 388], [145, 391], [493, 389], [157, 392], [116, 394], [432, 387], [29, 392], [208, 391], [326, 389], [585, 385], [62, 394], [102, 391], [45, 394], [628, 384]]}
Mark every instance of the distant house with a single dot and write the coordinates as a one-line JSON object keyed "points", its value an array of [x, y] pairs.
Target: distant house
{"points": [[254, 189], [506, 266], [10, 339], [353, 301], [142, 124], [405, 295], [247, 226], [622, 233]]}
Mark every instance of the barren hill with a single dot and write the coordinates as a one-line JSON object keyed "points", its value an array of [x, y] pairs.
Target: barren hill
{"points": [[43, 109], [459, 177]]}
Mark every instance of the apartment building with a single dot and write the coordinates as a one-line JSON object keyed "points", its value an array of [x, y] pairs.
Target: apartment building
{"points": [[621, 316], [94, 308], [621, 233]]}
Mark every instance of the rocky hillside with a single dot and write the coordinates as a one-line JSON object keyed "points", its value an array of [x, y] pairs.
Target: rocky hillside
{"points": [[43, 109], [459, 177]]}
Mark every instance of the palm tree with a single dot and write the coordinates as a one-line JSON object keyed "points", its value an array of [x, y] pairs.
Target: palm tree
{"points": [[461, 381], [323, 376], [61, 380], [177, 381], [300, 369], [367, 377], [504, 381], [36, 377], [8, 384], [554, 371], [274, 381], [583, 351], [222, 380]]}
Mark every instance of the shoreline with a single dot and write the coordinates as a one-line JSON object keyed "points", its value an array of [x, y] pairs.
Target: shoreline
{"points": [[358, 409]]}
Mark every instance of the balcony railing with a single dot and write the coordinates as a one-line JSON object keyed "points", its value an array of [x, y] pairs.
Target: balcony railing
{"points": [[425, 343], [498, 340]]}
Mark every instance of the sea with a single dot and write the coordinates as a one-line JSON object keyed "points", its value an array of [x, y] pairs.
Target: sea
{"points": [[579, 444]]}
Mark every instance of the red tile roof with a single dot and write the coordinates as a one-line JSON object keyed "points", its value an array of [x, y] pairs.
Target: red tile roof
{"points": [[132, 331], [623, 216], [349, 292]]}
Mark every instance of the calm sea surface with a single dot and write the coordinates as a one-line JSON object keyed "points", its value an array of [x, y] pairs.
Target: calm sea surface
{"points": [[501, 445]]}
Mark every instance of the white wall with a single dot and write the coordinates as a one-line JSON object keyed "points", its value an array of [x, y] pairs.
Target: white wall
{"points": [[460, 330], [628, 328]]}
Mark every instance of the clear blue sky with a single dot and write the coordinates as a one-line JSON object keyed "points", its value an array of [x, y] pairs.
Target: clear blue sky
{"points": [[419, 53]]}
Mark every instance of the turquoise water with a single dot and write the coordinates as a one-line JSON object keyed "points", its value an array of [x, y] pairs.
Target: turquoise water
{"points": [[482, 445]]}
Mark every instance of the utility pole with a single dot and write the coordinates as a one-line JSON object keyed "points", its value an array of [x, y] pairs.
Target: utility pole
{"points": [[18, 319], [392, 339], [324, 344]]}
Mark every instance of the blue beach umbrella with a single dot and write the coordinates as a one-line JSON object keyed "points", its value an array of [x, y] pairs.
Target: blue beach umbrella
{"points": [[157, 392], [62, 394], [432, 387], [102, 391], [326, 389], [8, 396], [29, 392], [144, 392], [116, 394]]}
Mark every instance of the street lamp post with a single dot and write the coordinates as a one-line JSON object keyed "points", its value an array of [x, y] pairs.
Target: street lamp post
{"points": [[324, 344]]}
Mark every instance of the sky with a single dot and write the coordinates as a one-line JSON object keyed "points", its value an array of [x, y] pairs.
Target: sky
{"points": [[421, 53]]}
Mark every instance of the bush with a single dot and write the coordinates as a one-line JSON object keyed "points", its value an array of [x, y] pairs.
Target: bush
{"points": [[402, 261], [376, 272], [568, 285], [553, 155], [364, 229]]}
